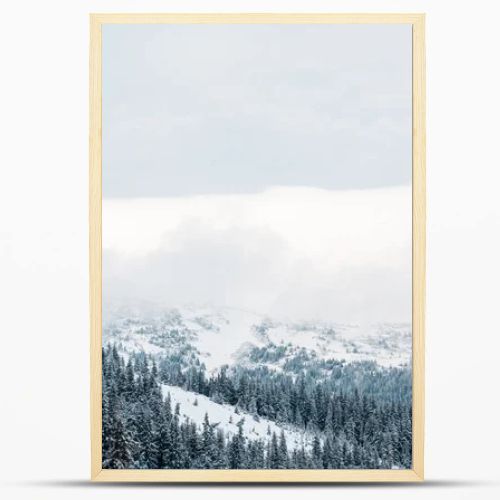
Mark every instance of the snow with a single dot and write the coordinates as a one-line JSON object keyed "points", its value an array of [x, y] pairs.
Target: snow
{"points": [[232, 330], [223, 413], [224, 335], [388, 345], [141, 344]]}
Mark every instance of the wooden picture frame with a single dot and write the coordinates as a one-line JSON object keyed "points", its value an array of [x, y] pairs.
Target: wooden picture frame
{"points": [[418, 256]]}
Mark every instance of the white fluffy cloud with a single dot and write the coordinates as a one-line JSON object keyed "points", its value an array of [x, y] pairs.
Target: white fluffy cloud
{"points": [[301, 252]]}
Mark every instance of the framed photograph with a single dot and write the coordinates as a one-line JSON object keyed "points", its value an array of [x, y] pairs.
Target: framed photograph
{"points": [[257, 247]]}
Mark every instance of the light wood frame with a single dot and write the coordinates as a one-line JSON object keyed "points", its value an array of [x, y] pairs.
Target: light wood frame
{"points": [[418, 260]]}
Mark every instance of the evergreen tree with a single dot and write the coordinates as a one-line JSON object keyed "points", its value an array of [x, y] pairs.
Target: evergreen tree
{"points": [[274, 453], [283, 462], [237, 449], [360, 416], [118, 454]]}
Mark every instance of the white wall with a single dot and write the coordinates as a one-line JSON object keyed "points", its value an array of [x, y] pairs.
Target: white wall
{"points": [[44, 440]]}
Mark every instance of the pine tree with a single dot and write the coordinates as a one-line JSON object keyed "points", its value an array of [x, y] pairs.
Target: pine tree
{"points": [[119, 455], [317, 459], [282, 452], [274, 454], [237, 448], [353, 429], [209, 454], [328, 453]]}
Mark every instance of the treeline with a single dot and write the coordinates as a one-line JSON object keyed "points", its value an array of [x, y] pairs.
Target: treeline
{"points": [[142, 430], [363, 404]]}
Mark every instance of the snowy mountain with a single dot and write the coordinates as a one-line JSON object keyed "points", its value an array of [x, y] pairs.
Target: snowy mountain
{"points": [[226, 417], [204, 387], [225, 336]]}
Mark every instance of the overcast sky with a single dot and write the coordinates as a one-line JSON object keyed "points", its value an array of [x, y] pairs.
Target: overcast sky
{"points": [[196, 109], [265, 167]]}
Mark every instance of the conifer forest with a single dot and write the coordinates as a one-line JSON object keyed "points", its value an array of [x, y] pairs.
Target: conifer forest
{"points": [[285, 408]]}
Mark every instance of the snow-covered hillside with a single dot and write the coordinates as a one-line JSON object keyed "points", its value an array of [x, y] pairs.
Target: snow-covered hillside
{"points": [[194, 407], [219, 336], [312, 384]]}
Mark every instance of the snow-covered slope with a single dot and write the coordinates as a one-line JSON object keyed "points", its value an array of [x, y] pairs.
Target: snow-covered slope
{"points": [[219, 336], [194, 407]]}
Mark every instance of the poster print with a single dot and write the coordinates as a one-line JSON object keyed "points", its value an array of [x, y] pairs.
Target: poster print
{"points": [[257, 247]]}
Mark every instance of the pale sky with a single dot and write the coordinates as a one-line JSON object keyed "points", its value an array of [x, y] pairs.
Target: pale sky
{"points": [[261, 167], [204, 109]]}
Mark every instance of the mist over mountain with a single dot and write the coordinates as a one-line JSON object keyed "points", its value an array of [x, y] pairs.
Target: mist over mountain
{"points": [[340, 256], [225, 336]]}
